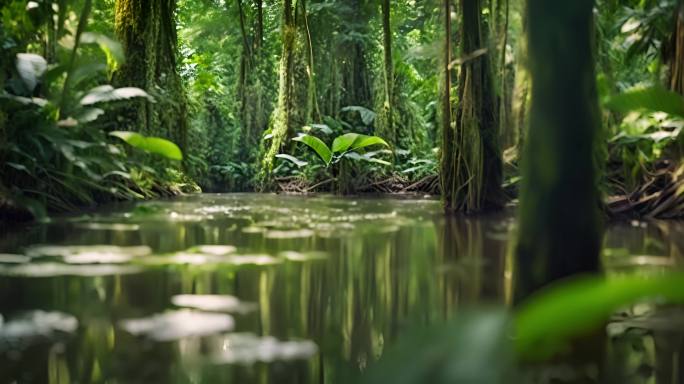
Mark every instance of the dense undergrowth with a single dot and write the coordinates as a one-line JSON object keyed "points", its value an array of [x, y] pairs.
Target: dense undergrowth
{"points": [[56, 118]]}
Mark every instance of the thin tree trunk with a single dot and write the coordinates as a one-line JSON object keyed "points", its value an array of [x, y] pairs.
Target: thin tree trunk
{"points": [[446, 161], [259, 33], [389, 71], [676, 61]]}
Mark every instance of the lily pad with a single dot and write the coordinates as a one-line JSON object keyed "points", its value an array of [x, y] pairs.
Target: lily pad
{"points": [[10, 258], [302, 257], [289, 234], [58, 269], [69, 250], [176, 325], [35, 326], [215, 303], [218, 250], [248, 348]]}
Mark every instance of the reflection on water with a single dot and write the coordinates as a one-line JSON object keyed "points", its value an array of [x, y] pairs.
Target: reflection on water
{"points": [[272, 289]]}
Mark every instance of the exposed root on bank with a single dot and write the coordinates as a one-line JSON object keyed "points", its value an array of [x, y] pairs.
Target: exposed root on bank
{"points": [[660, 195], [393, 184]]}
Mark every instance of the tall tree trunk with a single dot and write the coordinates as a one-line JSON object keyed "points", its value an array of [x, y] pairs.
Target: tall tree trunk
{"points": [[474, 181], [282, 118], [559, 232], [147, 31], [447, 155], [388, 130], [259, 33], [521, 91]]}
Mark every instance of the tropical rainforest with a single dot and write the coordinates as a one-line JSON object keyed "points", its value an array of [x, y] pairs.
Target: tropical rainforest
{"points": [[543, 139]]}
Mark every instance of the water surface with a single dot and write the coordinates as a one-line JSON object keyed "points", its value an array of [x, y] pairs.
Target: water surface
{"points": [[248, 288]]}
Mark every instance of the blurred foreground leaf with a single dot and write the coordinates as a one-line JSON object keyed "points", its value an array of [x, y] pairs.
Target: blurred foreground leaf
{"points": [[570, 308]]}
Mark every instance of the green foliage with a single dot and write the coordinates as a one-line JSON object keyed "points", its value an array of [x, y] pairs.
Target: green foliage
{"points": [[56, 148], [317, 145], [654, 99], [344, 146]]}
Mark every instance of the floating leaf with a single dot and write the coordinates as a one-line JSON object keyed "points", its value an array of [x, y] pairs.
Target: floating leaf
{"points": [[106, 93], [13, 259], [176, 325], [57, 269], [317, 145], [34, 327], [218, 250], [292, 159], [247, 348], [150, 144], [216, 303]]}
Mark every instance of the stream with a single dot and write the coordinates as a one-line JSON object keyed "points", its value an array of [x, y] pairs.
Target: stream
{"points": [[259, 288]]}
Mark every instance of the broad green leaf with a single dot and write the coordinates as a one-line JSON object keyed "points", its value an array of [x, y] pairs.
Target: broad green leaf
{"points": [[31, 68], [367, 116], [87, 115], [155, 145], [106, 93], [296, 161], [323, 128], [111, 48], [656, 99], [365, 141], [569, 308], [365, 157], [344, 142], [317, 145]]}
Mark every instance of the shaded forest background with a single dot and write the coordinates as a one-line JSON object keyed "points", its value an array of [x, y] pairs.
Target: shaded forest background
{"points": [[232, 83]]}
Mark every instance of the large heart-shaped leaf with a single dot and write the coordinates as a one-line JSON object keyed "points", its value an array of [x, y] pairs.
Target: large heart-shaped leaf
{"points": [[156, 145], [317, 145]]}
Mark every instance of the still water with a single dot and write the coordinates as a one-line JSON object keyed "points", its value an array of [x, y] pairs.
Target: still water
{"points": [[248, 288]]}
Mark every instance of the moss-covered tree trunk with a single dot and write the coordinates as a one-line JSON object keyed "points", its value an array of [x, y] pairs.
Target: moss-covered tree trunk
{"points": [[471, 161], [147, 31], [559, 232], [293, 106]]}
